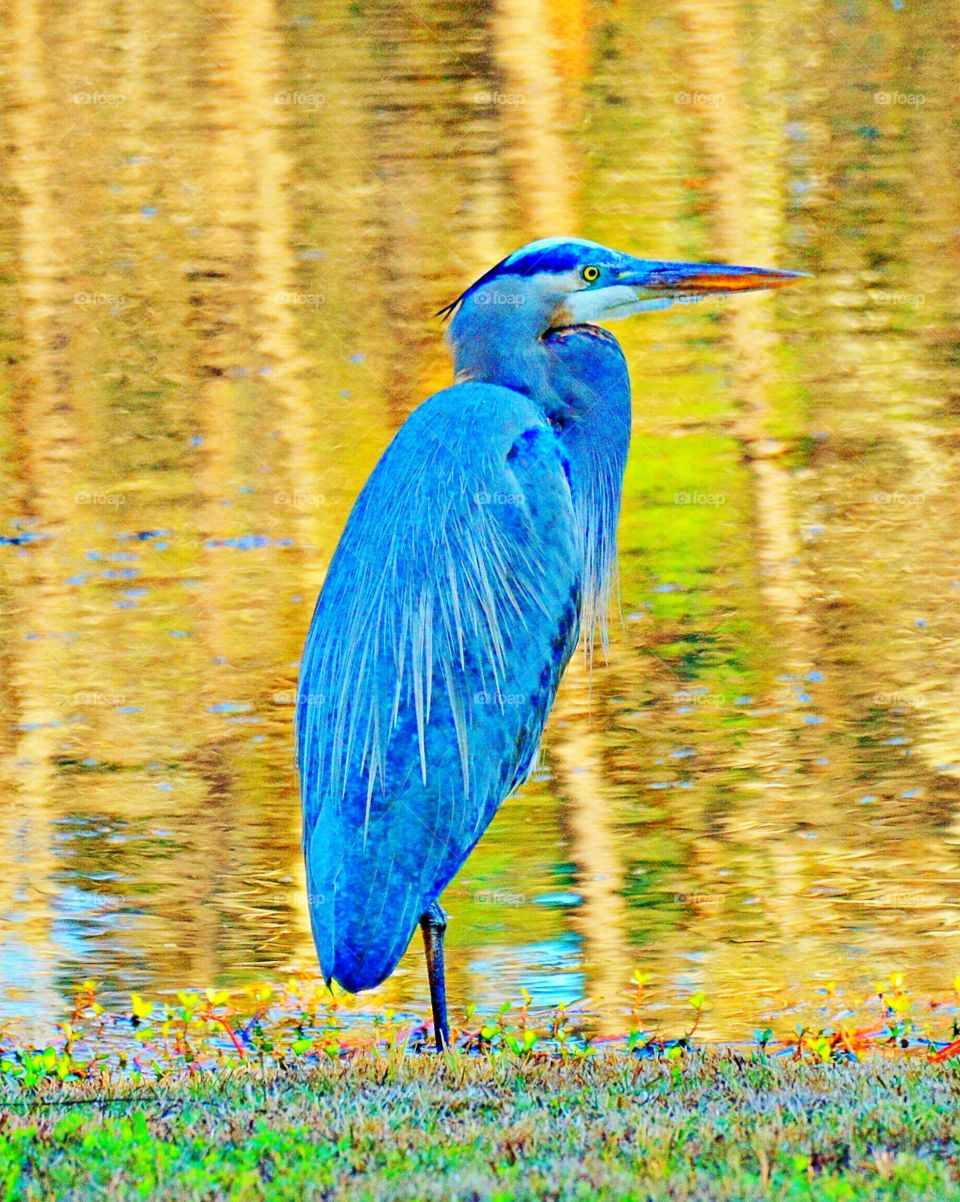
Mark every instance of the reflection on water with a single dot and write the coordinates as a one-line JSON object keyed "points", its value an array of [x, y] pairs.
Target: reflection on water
{"points": [[223, 233]]}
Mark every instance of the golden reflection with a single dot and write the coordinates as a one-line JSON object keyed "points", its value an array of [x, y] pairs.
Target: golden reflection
{"points": [[576, 749], [47, 495], [747, 198], [225, 235], [531, 106], [574, 744]]}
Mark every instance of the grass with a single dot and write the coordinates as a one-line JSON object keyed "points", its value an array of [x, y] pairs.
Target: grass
{"points": [[401, 1126], [279, 1093]]}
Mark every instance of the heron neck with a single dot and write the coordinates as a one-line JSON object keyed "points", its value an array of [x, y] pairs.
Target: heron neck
{"points": [[497, 338], [578, 376]]}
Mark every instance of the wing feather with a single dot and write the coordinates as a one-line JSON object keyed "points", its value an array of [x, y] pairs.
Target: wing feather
{"points": [[448, 614]]}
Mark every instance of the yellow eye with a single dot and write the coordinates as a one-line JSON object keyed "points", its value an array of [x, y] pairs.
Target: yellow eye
{"points": [[591, 273]]}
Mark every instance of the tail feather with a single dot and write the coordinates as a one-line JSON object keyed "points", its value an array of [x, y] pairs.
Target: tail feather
{"points": [[361, 930]]}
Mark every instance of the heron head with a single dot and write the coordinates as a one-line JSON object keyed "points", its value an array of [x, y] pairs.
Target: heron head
{"points": [[558, 282]]}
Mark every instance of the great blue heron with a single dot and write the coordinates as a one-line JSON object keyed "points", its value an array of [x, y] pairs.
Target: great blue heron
{"points": [[482, 545]]}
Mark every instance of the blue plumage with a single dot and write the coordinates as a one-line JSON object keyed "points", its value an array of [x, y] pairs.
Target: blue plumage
{"points": [[481, 545], [448, 615]]}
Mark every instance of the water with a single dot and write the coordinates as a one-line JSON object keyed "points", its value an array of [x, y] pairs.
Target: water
{"points": [[223, 233]]}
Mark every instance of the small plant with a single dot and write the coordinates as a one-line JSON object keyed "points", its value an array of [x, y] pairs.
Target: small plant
{"points": [[301, 1021]]}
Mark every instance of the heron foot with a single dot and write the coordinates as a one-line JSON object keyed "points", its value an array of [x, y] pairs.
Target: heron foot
{"points": [[433, 923]]}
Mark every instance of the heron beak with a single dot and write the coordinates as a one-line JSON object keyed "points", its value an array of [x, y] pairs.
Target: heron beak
{"points": [[653, 280], [645, 284]]}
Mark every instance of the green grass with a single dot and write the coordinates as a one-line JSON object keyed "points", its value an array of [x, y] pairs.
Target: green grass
{"points": [[398, 1125]]}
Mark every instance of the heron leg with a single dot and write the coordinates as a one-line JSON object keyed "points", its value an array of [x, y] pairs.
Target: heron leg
{"points": [[433, 924]]}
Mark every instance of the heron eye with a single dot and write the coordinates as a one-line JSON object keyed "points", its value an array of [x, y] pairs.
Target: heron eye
{"points": [[591, 273]]}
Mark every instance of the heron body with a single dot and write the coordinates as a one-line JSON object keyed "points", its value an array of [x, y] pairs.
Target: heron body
{"points": [[481, 547]]}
